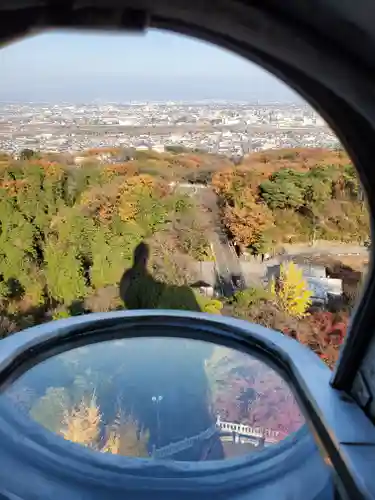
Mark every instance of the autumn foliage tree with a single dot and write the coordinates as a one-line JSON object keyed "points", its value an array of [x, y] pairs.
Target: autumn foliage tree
{"points": [[323, 332], [67, 232], [291, 290], [244, 389], [82, 422], [247, 221], [310, 194], [245, 215]]}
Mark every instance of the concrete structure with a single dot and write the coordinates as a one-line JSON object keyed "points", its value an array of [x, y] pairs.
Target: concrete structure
{"points": [[259, 435], [237, 433], [205, 270], [142, 146], [320, 286]]}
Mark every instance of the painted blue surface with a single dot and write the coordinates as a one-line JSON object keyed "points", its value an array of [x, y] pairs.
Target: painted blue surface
{"points": [[37, 464]]}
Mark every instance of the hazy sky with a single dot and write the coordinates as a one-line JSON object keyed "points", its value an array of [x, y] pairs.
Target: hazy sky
{"points": [[157, 66]]}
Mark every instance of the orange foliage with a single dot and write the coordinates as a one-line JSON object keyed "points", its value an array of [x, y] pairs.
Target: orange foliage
{"points": [[105, 212], [299, 159], [127, 210], [13, 187], [101, 202], [194, 158], [222, 180], [236, 179], [236, 184], [144, 183], [324, 333], [50, 168], [120, 196], [119, 169], [247, 222], [104, 150]]}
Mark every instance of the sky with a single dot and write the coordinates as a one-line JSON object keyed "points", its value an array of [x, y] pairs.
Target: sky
{"points": [[158, 66]]}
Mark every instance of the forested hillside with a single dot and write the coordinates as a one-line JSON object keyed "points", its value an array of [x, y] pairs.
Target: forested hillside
{"points": [[290, 196], [69, 227], [68, 233]]}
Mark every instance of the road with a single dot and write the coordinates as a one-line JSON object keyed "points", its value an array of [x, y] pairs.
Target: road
{"points": [[167, 129], [326, 248], [227, 263], [254, 271]]}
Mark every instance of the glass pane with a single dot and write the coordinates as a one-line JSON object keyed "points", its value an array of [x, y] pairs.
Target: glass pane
{"points": [[159, 398], [244, 197]]}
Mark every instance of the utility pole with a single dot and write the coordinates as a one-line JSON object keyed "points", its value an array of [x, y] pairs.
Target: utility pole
{"points": [[157, 400]]}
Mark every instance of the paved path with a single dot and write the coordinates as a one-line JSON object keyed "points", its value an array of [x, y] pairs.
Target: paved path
{"points": [[226, 261], [253, 271], [324, 248]]}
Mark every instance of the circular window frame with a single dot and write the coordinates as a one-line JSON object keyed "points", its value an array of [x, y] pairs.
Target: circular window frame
{"points": [[324, 50], [50, 454]]}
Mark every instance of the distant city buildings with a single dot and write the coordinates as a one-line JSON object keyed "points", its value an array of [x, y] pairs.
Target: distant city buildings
{"points": [[231, 129]]}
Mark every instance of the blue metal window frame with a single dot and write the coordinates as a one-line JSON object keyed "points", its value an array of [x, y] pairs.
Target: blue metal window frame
{"points": [[329, 413]]}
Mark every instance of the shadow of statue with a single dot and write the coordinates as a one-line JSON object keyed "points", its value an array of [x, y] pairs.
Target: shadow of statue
{"points": [[139, 290]]}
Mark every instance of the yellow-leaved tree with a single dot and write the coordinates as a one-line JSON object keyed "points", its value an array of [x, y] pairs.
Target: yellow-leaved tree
{"points": [[291, 290], [83, 423]]}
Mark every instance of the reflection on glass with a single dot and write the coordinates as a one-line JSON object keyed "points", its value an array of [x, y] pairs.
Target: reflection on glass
{"points": [[159, 398]]}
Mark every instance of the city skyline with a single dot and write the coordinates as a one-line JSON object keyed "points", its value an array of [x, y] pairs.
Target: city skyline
{"points": [[226, 128], [158, 66]]}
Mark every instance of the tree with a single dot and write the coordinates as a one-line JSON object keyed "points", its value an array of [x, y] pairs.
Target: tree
{"points": [[324, 332], [169, 263], [64, 273], [82, 421], [247, 223], [132, 440], [291, 290], [176, 149], [319, 187], [49, 409], [112, 253], [285, 189], [27, 154], [242, 301], [67, 232], [245, 389]]}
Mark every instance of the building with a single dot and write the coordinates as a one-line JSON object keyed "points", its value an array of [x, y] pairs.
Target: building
{"points": [[80, 160], [159, 148], [206, 282], [142, 146], [321, 287]]}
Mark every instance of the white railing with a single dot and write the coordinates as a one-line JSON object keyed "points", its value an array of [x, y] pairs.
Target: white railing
{"points": [[247, 430], [268, 435]]}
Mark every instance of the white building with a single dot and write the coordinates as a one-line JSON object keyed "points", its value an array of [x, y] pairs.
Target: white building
{"points": [[142, 146], [319, 122], [159, 148]]}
